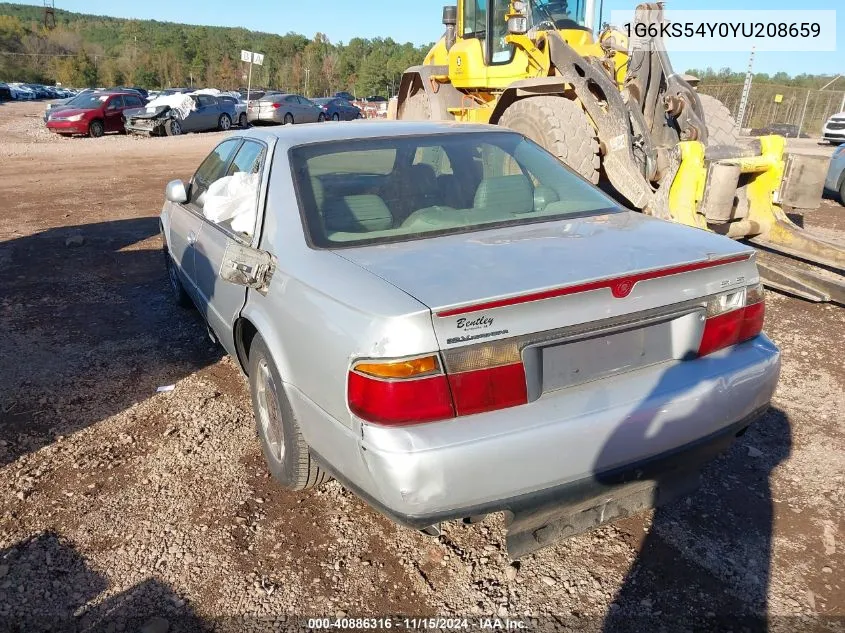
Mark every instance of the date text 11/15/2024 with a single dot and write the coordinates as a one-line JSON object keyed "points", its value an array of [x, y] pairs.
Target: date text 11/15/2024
{"points": [[418, 624]]}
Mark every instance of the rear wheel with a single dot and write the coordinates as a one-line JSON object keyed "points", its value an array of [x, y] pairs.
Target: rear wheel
{"points": [[288, 119], [224, 124], [560, 126], [721, 126], [335, 117], [321, 118], [288, 457], [96, 129], [242, 120], [842, 191]]}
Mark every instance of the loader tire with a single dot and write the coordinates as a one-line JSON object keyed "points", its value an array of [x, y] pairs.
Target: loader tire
{"points": [[562, 127], [721, 126]]}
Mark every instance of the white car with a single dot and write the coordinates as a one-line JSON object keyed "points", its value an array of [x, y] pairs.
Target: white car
{"points": [[834, 129]]}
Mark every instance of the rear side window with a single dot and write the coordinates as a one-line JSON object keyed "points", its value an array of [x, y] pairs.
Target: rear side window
{"points": [[371, 191], [132, 102]]}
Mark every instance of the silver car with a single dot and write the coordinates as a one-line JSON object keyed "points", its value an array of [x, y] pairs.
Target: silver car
{"points": [[451, 323], [286, 109]]}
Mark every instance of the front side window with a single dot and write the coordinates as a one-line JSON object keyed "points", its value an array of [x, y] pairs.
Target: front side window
{"points": [[475, 18], [115, 103], [212, 169], [372, 191], [232, 200]]}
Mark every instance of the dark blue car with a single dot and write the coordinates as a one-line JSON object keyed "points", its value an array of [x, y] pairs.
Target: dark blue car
{"points": [[338, 109]]}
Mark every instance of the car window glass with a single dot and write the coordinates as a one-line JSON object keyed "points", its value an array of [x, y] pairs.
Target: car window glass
{"points": [[116, 102], [133, 101], [436, 157], [205, 101], [212, 168], [372, 191], [232, 201], [291, 99]]}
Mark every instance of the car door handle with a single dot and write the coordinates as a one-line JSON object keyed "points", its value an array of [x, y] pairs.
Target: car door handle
{"points": [[192, 238]]}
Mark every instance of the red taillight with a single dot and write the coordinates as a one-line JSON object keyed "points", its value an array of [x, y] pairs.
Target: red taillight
{"points": [[733, 318], [276, 106], [400, 402], [411, 391], [489, 389]]}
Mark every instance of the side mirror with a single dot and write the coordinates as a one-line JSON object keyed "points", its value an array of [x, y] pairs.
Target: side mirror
{"points": [[176, 192]]}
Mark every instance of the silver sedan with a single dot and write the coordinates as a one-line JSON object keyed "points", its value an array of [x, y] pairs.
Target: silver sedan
{"points": [[452, 323], [285, 109]]}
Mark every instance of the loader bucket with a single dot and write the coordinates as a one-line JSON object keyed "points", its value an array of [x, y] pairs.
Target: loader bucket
{"points": [[744, 196]]}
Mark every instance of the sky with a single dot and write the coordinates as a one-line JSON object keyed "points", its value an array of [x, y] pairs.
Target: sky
{"points": [[419, 21]]}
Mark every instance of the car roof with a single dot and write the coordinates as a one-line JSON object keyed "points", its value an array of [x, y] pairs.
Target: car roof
{"points": [[291, 136]]}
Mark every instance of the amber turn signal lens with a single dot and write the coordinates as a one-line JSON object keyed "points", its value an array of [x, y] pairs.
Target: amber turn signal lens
{"points": [[415, 368]]}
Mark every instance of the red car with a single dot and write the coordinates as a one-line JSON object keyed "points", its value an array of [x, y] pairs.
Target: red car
{"points": [[96, 114]]}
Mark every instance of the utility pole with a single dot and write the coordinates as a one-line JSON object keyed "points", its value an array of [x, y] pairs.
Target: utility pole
{"points": [[307, 73], [746, 91]]}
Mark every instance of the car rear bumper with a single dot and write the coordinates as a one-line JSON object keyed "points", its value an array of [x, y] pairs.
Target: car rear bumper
{"points": [[571, 444], [275, 116], [68, 127]]}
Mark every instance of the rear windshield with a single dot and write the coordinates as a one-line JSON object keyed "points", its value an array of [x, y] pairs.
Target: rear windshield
{"points": [[370, 191]]}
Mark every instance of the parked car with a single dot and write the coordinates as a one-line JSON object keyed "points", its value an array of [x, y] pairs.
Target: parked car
{"points": [[94, 114], [176, 114], [65, 104], [375, 99], [5, 92], [338, 109], [787, 130], [21, 92], [344, 95], [834, 129], [835, 181], [452, 323], [285, 109], [239, 118]]}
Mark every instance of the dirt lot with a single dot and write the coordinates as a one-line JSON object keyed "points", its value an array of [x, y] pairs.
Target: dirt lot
{"points": [[123, 509]]}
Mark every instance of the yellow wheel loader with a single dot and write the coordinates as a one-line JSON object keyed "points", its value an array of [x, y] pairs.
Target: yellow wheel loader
{"points": [[613, 109]]}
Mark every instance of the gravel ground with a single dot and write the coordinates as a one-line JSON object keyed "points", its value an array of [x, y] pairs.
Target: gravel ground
{"points": [[130, 510]]}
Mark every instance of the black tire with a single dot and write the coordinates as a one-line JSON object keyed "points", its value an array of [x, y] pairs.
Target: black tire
{"points": [[335, 117], [321, 118], [721, 126], [224, 123], [177, 290], [562, 127], [416, 108], [96, 129], [288, 119], [842, 191], [288, 457], [243, 122]]}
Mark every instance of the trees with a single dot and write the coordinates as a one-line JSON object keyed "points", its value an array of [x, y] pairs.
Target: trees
{"points": [[85, 50]]}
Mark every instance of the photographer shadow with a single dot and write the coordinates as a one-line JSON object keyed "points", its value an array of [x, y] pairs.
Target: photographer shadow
{"points": [[47, 586], [704, 561]]}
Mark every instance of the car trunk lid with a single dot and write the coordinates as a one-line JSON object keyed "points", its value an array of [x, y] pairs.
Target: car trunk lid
{"points": [[572, 301]]}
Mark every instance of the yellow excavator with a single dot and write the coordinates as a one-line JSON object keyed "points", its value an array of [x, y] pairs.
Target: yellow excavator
{"points": [[612, 108]]}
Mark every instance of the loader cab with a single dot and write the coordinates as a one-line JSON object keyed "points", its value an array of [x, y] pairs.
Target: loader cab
{"points": [[481, 56]]}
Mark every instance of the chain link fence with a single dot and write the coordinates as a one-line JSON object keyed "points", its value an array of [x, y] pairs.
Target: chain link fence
{"points": [[770, 104]]}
